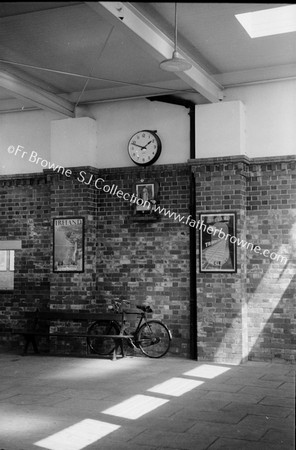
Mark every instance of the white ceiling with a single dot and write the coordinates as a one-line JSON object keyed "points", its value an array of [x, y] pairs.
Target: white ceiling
{"points": [[83, 52]]}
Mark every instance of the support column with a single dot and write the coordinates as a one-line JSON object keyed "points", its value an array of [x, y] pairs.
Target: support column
{"points": [[221, 297]]}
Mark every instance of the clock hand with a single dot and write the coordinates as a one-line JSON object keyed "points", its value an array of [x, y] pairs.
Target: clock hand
{"points": [[138, 145], [146, 145]]}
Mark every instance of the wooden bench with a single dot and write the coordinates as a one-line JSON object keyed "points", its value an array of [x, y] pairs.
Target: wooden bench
{"points": [[39, 323]]}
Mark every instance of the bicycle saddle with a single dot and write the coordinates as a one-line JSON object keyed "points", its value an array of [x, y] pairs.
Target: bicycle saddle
{"points": [[144, 308]]}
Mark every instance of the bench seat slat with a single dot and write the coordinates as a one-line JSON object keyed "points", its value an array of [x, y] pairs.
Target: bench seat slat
{"points": [[40, 333], [65, 316]]}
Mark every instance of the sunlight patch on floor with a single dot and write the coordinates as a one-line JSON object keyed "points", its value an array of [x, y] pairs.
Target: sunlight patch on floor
{"points": [[135, 407], [99, 368], [207, 371], [175, 386], [77, 436], [14, 423], [88, 431]]}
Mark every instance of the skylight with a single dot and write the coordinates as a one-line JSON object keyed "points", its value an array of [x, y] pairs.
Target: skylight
{"points": [[268, 22]]}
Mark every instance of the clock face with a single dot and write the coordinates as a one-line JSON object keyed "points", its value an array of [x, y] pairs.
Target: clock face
{"points": [[144, 147]]}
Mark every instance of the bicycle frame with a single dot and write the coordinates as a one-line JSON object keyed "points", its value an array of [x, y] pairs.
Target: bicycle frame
{"points": [[117, 307], [141, 321], [149, 335]]}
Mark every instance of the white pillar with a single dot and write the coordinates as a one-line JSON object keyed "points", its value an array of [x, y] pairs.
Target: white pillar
{"points": [[74, 142], [220, 130]]}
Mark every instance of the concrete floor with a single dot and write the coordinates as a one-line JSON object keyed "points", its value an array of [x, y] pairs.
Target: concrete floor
{"points": [[136, 403]]}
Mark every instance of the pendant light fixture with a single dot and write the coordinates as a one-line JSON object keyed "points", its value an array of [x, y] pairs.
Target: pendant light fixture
{"points": [[176, 63]]}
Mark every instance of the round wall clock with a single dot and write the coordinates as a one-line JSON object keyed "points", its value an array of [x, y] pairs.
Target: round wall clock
{"points": [[144, 147]]}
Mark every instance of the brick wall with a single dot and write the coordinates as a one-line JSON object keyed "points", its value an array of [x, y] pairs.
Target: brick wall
{"points": [[272, 280], [71, 198], [247, 314], [221, 297], [25, 215], [147, 262], [250, 314], [144, 262]]}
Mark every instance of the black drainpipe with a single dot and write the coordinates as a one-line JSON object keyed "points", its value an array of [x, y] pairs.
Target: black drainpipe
{"points": [[192, 207]]}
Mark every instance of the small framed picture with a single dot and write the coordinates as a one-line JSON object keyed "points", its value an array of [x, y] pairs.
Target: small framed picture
{"points": [[3, 260], [146, 197], [217, 244], [68, 244]]}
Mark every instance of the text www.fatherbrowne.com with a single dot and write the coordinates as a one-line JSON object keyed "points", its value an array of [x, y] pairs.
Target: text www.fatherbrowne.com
{"points": [[87, 179], [219, 233]]}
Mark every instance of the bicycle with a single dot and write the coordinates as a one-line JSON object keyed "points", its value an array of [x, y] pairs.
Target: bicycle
{"points": [[151, 336]]}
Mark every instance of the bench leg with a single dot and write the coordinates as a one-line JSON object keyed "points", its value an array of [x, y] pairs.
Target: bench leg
{"points": [[114, 353], [118, 343], [122, 348], [30, 338]]}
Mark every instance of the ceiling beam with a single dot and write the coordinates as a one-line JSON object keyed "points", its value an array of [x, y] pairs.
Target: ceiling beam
{"points": [[256, 76], [154, 41], [40, 97]]}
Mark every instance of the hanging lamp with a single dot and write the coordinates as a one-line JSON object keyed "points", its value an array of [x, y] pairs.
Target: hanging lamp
{"points": [[176, 63]]}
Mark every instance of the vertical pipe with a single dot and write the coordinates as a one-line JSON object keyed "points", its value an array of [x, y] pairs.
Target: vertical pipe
{"points": [[192, 244], [192, 230]]}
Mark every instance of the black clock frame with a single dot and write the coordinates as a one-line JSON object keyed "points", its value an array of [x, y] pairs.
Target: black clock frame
{"points": [[158, 151]]}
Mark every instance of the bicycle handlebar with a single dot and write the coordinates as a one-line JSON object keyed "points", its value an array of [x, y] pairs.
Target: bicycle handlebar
{"points": [[117, 306]]}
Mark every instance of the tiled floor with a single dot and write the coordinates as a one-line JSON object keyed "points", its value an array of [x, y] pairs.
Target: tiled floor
{"points": [[136, 403]]}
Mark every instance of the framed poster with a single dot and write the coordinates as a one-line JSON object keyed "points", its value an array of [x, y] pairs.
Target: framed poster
{"points": [[68, 244], [146, 197], [217, 243]]}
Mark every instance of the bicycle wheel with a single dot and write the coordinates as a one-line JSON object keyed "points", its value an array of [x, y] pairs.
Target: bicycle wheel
{"points": [[102, 345], [154, 339]]}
